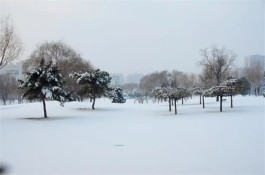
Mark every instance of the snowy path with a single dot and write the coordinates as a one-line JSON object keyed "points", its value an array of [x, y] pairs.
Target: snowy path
{"points": [[134, 138]]}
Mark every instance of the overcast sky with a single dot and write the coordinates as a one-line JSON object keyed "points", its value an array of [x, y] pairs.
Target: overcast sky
{"points": [[137, 36]]}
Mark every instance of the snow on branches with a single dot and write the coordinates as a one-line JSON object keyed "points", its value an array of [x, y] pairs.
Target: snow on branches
{"points": [[94, 83], [172, 94], [160, 92], [227, 88], [45, 82], [118, 96], [179, 93]]}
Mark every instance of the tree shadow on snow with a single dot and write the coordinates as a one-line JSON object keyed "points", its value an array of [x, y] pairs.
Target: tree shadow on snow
{"points": [[45, 119], [97, 109]]}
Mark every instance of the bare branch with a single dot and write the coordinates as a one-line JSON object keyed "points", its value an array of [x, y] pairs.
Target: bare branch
{"points": [[10, 44]]}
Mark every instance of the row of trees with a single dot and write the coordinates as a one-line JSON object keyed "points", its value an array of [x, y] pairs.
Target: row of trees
{"points": [[217, 66], [226, 88], [46, 82]]}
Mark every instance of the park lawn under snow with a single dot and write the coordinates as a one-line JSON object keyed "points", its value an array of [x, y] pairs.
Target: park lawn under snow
{"points": [[134, 138]]}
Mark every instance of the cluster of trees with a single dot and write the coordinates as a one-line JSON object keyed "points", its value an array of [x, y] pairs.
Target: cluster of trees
{"points": [[46, 82], [216, 80], [173, 94], [165, 79], [87, 82], [67, 59]]}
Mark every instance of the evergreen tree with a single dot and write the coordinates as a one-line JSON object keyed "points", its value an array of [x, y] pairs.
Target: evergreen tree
{"points": [[94, 83], [118, 96], [244, 86], [45, 82]]}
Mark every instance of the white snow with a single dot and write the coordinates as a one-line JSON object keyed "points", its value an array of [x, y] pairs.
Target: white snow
{"points": [[47, 92], [134, 138]]}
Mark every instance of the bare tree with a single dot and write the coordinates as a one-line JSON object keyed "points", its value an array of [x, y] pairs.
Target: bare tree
{"points": [[8, 88], [153, 80], [182, 79], [217, 64], [10, 44]]}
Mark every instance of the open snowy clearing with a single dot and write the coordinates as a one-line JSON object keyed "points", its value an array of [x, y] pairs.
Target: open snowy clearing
{"points": [[134, 138]]}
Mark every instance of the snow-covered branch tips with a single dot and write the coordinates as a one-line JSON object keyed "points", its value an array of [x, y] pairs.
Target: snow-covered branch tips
{"points": [[94, 83], [45, 82]]}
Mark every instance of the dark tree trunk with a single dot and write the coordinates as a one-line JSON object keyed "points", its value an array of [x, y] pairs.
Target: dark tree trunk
{"points": [[169, 101], [217, 98], [231, 101], [203, 102], [175, 103], [94, 100], [200, 99], [44, 108], [4, 101], [182, 101], [221, 103]]}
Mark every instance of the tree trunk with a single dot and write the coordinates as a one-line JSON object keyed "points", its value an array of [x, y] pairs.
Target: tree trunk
{"points": [[217, 98], [231, 101], [44, 108], [94, 100], [169, 101], [221, 103], [200, 99], [203, 106], [175, 106], [182, 101], [4, 101]]}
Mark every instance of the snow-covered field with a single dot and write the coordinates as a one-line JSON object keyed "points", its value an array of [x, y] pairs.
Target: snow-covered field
{"points": [[134, 138]]}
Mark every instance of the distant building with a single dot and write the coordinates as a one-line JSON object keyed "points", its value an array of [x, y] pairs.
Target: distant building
{"points": [[253, 60], [117, 80], [14, 70]]}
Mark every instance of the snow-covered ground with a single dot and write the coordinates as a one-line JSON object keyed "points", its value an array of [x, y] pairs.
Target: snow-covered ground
{"points": [[134, 138]]}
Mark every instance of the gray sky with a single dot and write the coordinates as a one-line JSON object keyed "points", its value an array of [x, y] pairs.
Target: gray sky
{"points": [[141, 36]]}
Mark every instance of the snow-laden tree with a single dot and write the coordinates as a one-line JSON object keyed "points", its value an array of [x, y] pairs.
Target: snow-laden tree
{"points": [[94, 83], [65, 57], [236, 86], [218, 91], [217, 64], [118, 96], [160, 93], [45, 82], [196, 90], [177, 94]]}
